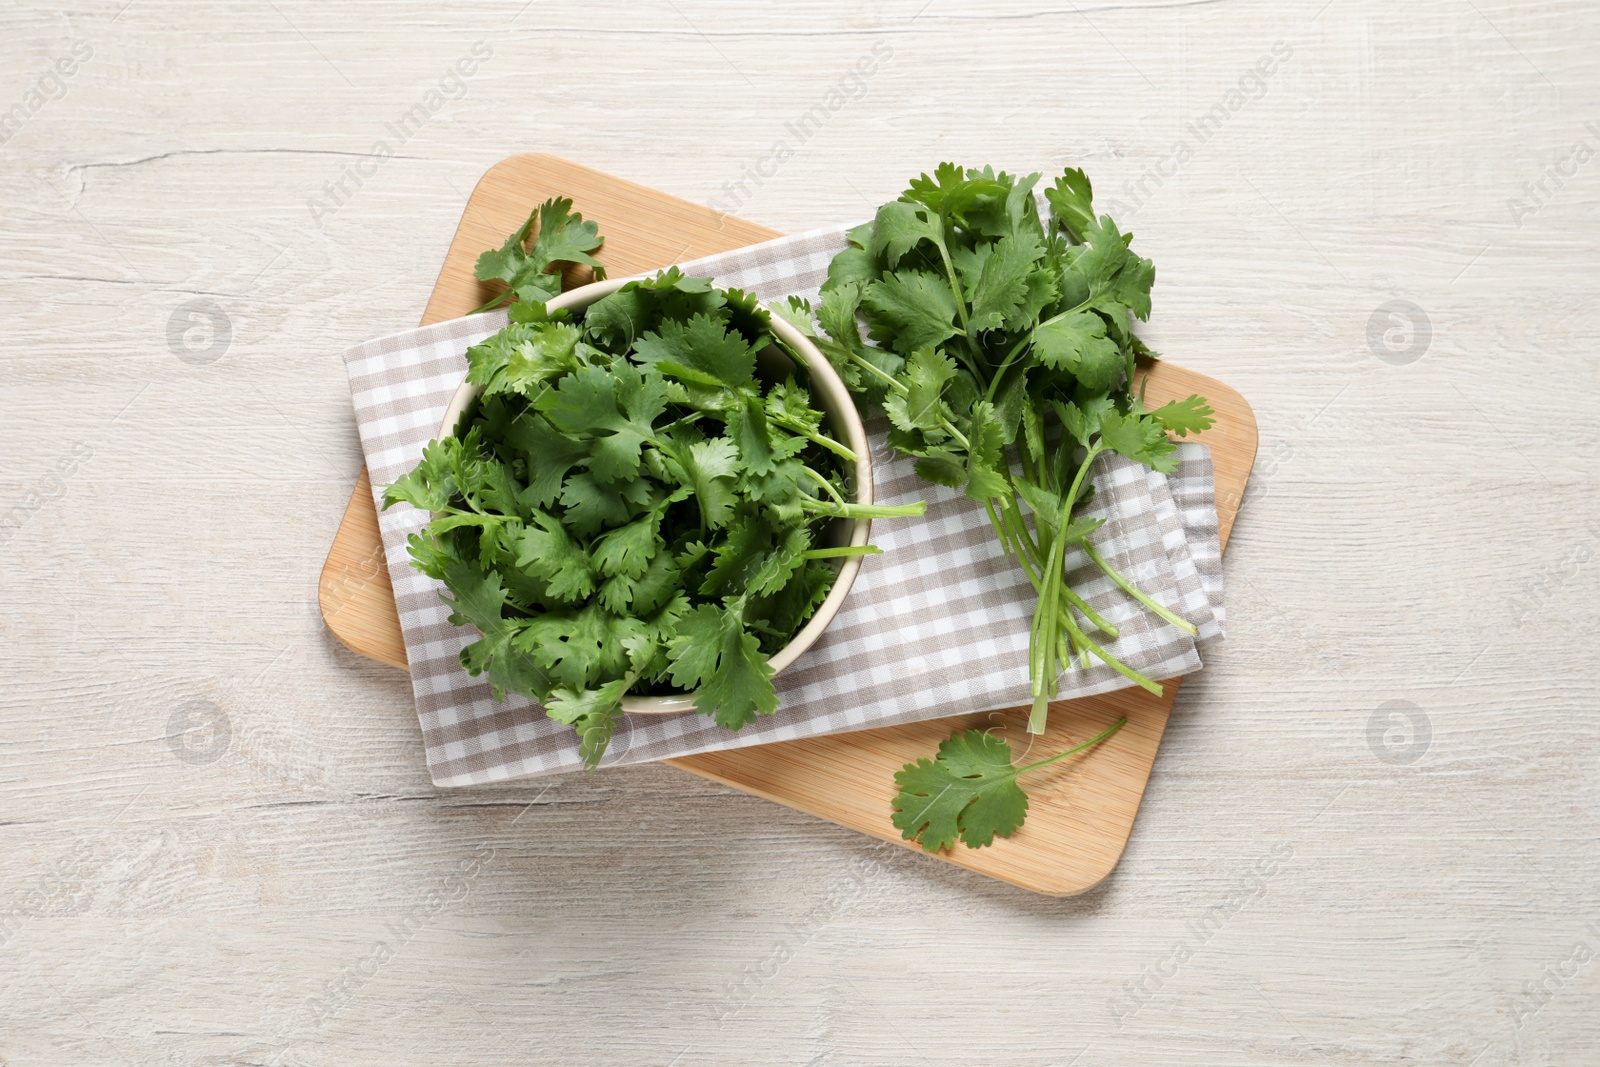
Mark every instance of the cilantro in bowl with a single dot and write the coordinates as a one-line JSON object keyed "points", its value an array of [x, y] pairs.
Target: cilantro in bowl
{"points": [[642, 499]]}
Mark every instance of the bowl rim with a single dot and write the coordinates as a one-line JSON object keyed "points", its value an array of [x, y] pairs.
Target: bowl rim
{"points": [[835, 402]]}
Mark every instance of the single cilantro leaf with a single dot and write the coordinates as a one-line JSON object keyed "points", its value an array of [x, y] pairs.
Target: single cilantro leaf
{"points": [[656, 586], [1140, 438], [591, 506], [1115, 274], [615, 406], [854, 266], [431, 484], [616, 321], [1071, 202], [545, 549], [747, 426], [715, 656], [786, 557], [702, 351], [1183, 417], [1002, 284], [627, 550], [738, 557], [548, 454], [969, 792], [592, 713], [899, 227], [1078, 345], [943, 467], [708, 470], [986, 462], [919, 408], [917, 306], [563, 237], [790, 607], [955, 193]]}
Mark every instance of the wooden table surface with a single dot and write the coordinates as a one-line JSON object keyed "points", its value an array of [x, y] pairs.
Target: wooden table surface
{"points": [[1371, 836]]}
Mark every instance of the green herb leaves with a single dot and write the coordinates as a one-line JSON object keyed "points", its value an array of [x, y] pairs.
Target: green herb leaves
{"points": [[563, 237], [628, 508], [969, 792], [1003, 354]]}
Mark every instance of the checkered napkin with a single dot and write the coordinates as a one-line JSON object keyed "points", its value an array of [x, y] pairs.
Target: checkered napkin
{"points": [[937, 625]]}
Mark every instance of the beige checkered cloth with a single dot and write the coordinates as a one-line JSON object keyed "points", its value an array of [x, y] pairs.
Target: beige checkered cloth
{"points": [[937, 625]]}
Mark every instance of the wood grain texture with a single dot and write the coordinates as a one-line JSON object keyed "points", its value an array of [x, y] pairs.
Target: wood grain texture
{"points": [[1421, 532], [1077, 826]]}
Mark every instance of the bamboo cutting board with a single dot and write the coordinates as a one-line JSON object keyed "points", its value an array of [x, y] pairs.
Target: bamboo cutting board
{"points": [[1082, 810]]}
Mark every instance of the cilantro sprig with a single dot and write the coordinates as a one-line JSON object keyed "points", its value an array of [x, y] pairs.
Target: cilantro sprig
{"points": [[631, 505], [1000, 346], [969, 791]]}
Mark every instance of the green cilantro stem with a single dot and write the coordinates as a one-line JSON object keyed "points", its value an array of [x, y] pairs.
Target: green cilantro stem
{"points": [[801, 430], [847, 550], [1134, 591], [826, 485], [1095, 740], [863, 511]]}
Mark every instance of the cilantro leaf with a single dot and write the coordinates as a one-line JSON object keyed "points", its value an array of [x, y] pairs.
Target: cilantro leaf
{"points": [[738, 557], [916, 305], [592, 713], [919, 407], [1071, 202], [986, 462], [1078, 344], [702, 351], [523, 357], [627, 550], [1139, 437], [432, 483], [968, 792], [716, 657], [1002, 284], [546, 550], [900, 227], [1183, 417], [548, 454], [708, 470], [563, 237]]}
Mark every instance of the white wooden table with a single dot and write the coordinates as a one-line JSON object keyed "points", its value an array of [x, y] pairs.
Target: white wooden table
{"points": [[1372, 833]]}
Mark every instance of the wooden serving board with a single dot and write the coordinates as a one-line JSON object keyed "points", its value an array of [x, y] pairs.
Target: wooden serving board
{"points": [[1082, 811]]}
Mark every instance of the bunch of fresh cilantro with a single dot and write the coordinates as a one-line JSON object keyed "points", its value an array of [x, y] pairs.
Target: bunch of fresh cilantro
{"points": [[1004, 357], [630, 507]]}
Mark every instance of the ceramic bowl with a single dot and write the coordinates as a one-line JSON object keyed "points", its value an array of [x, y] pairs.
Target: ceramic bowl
{"points": [[831, 398]]}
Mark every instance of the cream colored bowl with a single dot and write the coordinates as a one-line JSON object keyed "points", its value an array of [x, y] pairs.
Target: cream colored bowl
{"points": [[831, 397]]}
